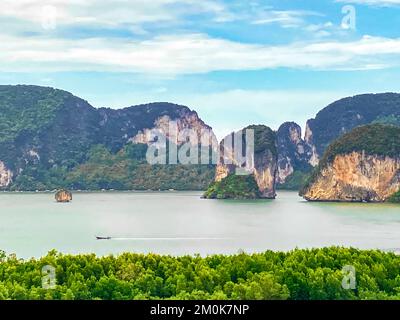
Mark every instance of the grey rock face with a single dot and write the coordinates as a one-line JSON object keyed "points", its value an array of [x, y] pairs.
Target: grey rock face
{"points": [[293, 152]]}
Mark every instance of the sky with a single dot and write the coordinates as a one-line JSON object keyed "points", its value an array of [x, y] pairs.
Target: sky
{"points": [[235, 62]]}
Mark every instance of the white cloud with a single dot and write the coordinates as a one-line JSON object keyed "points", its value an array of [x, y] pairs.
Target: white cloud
{"points": [[189, 54], [372, 2], [322, 29], [176, 53], [132, 14], [108, 13], [286, 18]]}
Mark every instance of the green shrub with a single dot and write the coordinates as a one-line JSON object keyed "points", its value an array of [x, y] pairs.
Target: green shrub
{"points": [[234, 187], [395, 197]]}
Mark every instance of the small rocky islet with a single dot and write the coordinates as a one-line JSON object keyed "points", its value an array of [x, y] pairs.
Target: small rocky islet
{"points": [[63, 196], [257, 182]]}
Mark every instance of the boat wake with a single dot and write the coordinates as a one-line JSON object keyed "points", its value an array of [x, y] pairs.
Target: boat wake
{"points": [[161, 238]]}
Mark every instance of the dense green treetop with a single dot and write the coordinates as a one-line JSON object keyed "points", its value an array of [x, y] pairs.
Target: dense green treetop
{"points": [[264, 139], [234, 187], [296, 275], [394, 198], [28, 108]]}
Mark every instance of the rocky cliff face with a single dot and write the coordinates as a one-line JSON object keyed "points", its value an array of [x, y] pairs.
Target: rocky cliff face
{"points": [[5, 175], [185, 119], [357, 177], [309, 141], [294, 154], [362, 165], [263, 166], [330, 123], [224, 170], [265, 169]]}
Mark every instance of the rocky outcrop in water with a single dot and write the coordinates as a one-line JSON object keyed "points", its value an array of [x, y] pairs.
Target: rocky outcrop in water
{"points": [[263, 165], [63, 196], [357, 177], [363, 165]]}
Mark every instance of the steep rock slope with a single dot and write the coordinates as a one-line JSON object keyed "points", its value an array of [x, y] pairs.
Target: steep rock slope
{"points": [[262, 167], [293, 154], [134, 123], [363, 165]]}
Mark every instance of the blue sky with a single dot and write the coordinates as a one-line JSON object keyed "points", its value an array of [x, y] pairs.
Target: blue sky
{"points": [[235, 62]]}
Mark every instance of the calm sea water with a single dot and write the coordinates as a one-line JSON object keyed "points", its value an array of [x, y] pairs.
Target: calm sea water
{"points": [[182, 223]]}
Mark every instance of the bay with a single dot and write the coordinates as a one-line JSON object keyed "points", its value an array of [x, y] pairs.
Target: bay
{"points": [[180, 223]]}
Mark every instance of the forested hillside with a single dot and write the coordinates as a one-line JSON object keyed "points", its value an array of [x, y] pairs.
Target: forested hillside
{"points": [[50, 139], [344, 115]]}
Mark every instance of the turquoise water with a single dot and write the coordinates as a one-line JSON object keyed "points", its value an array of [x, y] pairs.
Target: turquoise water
{"points": [[182, 223]]}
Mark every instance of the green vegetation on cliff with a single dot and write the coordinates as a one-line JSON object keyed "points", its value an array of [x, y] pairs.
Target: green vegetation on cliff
{"points": [[264, 139], [125, 170], [394, 198], [373, 139], [234, 187], [46, 125], [390, 119], [346, 114], [28, 109], [48, 140], [295, 275], [295, 181]]}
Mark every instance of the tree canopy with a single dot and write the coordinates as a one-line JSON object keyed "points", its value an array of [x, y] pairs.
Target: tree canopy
{"points": [[296, 275]]}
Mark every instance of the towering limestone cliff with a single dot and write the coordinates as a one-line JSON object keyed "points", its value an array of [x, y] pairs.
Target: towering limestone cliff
{"points": [[134, 124], [363, 165], [262, 168], [50, 139], [293, 156]]}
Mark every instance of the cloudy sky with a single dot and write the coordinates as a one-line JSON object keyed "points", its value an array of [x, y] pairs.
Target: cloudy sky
{"points": [[236, 62]]}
